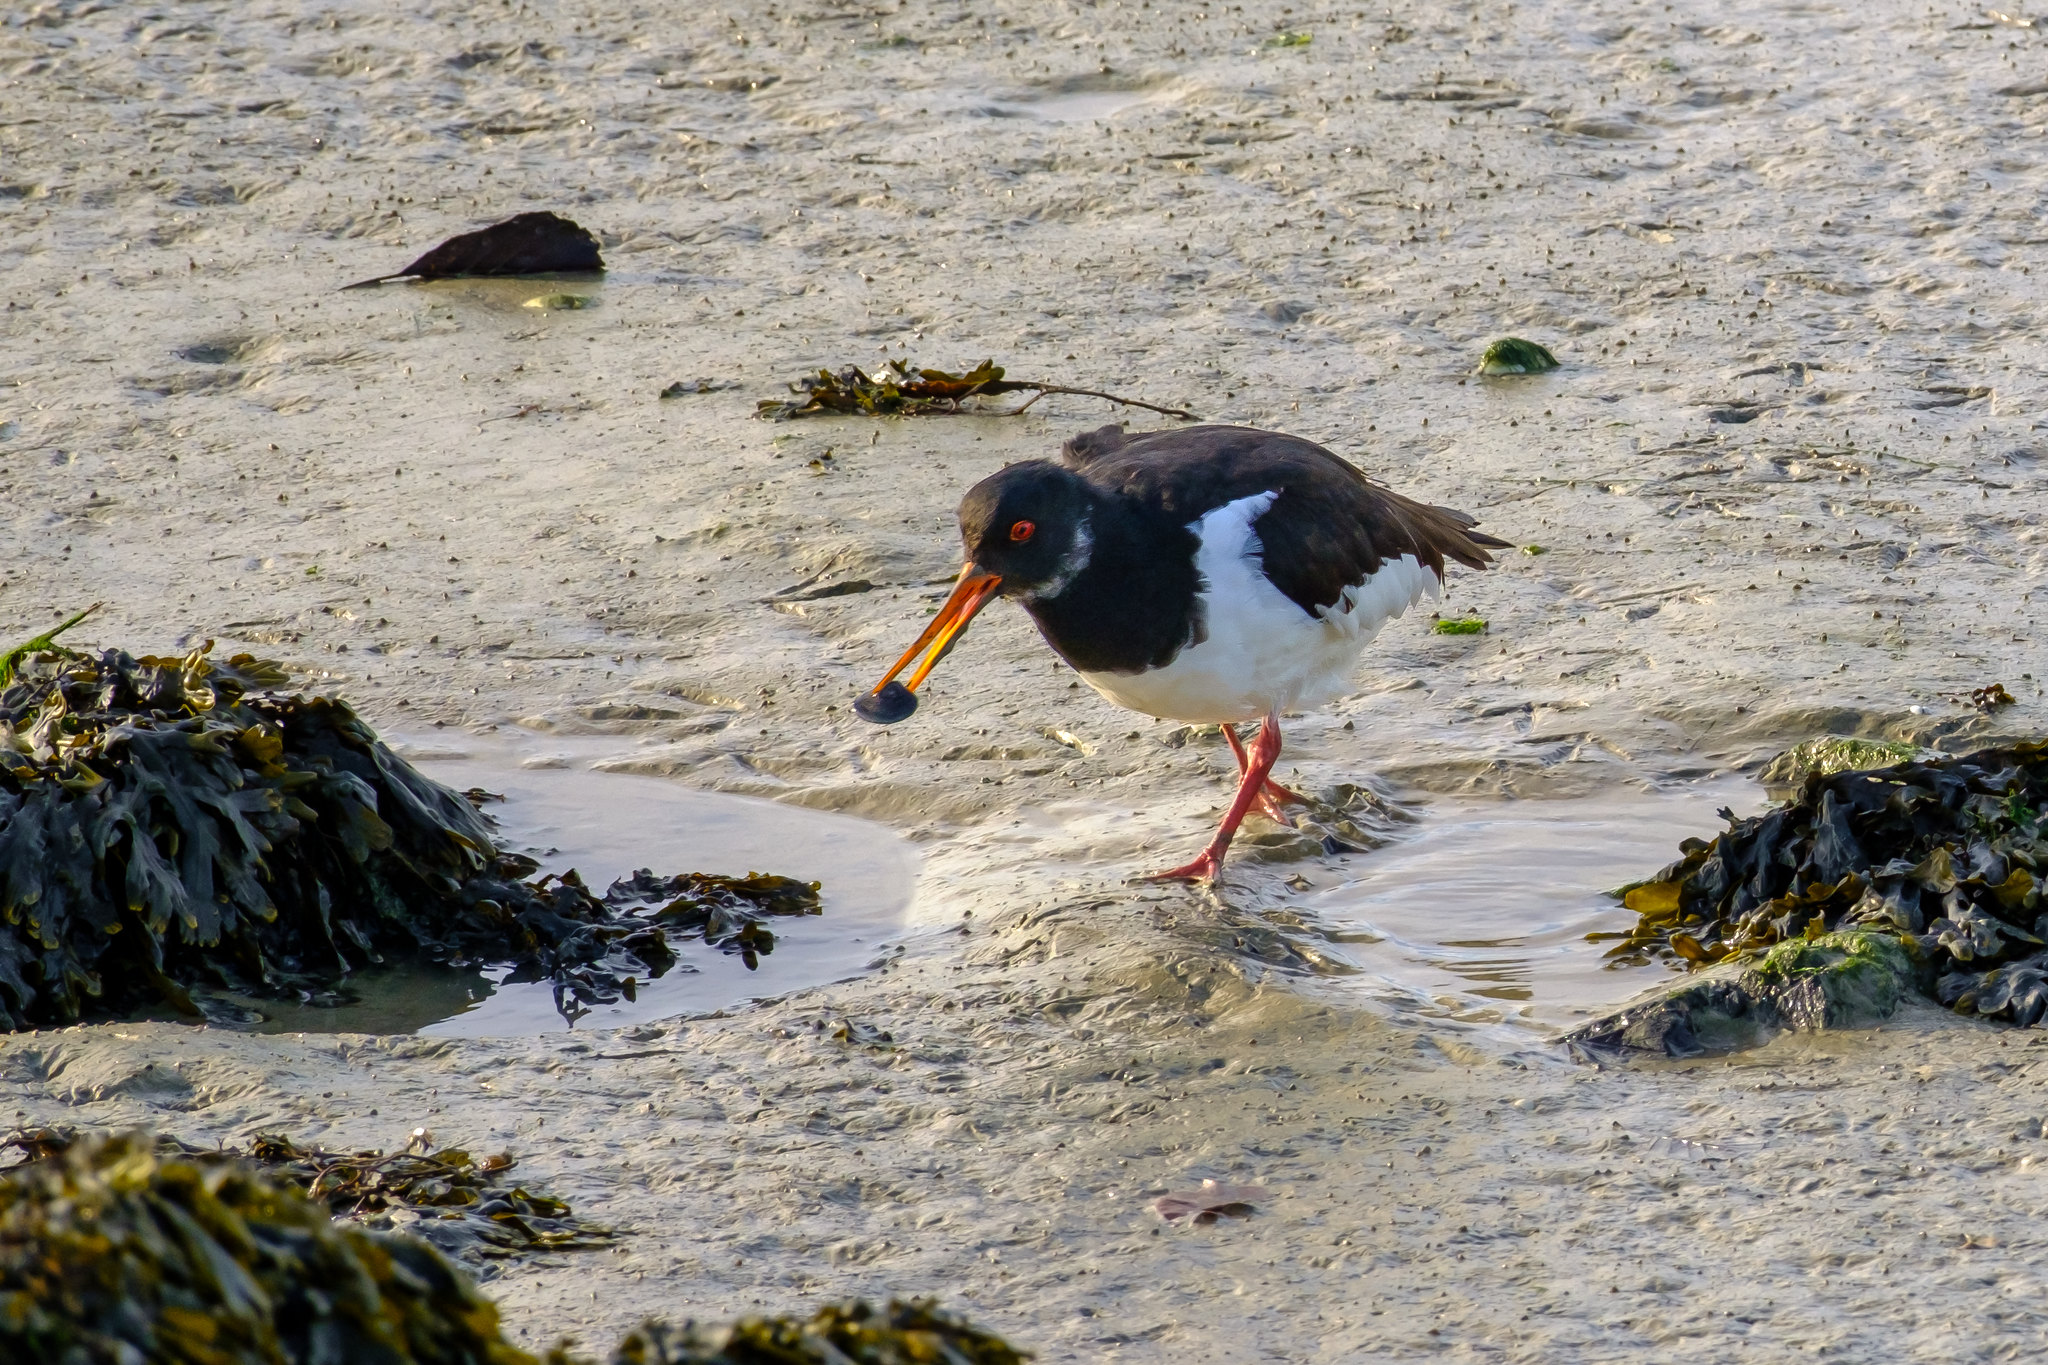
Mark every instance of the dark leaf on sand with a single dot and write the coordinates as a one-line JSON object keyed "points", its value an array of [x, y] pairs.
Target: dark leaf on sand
{"points": [[1209, 1203], [528, 244]]}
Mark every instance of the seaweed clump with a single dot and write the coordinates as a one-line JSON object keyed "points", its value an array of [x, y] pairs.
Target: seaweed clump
{"points": [[123, 1249], [112, 1251], [726, 912], [172, 823], [1945, 855], [904, 1333], [1512, 355], [445, 1195], [900, 390]]}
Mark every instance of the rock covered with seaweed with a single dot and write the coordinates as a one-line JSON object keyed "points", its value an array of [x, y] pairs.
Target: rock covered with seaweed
{"points": [[133, 1248], [468, 1207], [172, 823], [904, 1333], [1943, 857], [112, 1251]]}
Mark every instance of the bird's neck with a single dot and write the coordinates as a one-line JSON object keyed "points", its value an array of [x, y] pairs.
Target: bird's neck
{"points": [[1130, 604]]}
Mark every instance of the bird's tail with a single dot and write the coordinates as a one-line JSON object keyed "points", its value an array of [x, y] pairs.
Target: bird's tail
{"points": [[1460, 542]]}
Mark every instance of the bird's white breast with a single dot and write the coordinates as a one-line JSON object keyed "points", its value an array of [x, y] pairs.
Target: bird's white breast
{"points": [[1262, 654]]}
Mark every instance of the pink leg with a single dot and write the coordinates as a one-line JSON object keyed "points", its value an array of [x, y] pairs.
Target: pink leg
{"points": [[1209, 865], [1271, 793]]}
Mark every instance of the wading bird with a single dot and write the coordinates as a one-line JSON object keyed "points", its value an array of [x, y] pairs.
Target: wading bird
{"points": [[1211, 574]]}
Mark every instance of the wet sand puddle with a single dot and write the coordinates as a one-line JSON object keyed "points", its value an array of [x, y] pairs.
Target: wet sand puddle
{"points": [[605, 825], [1078, 106], [1480, 914]]}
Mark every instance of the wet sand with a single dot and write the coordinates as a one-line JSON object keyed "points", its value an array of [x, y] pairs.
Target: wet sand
{"points": [[1787, 482]]}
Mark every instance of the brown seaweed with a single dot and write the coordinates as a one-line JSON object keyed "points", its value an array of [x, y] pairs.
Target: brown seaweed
{"points": [[899, 390], [1946, 854], [469, 1206], [904, 1333], [134, 1248], [540, 243], [173, 823], [112, 1250], [726, 912]]}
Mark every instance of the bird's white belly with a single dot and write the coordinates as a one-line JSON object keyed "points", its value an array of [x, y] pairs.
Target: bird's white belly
{"points": [[1263, 654]]}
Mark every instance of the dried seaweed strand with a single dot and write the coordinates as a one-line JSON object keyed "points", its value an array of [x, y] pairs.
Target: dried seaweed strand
{"points": [[900, 390]]}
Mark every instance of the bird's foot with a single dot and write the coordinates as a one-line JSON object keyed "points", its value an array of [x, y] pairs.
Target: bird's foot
{"points": [[1273, 791], [1270, 808], [1205, 868]]}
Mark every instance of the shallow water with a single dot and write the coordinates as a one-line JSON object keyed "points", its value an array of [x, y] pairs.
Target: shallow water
{"points": [[1075, 106], [1481, 913], [605, 825]]}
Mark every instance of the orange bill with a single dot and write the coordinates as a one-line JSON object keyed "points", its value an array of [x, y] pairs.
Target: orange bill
{"points": [[891, 701]]}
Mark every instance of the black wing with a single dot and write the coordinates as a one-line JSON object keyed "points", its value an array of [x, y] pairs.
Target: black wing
{"points": [[1330, 528]]}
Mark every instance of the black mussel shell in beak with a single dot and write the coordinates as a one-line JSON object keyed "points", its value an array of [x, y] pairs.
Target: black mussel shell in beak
{"points": [[887, 704]]}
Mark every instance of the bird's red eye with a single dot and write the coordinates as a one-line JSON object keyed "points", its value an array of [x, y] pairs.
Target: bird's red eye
{"points": [[1021, 531]]}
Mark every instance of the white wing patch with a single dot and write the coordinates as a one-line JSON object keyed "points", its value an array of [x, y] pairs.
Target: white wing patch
{"points": [[1262, 653]]}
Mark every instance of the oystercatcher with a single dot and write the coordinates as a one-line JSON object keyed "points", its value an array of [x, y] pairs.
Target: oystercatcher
{"points": [[1211, 574]]}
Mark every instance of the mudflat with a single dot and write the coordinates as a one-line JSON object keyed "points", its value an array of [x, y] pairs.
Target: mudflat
{"points": [[1787, 482]]}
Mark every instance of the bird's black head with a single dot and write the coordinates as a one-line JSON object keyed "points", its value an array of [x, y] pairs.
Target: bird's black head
{"points": [[1029, 525], [1027, 534]]}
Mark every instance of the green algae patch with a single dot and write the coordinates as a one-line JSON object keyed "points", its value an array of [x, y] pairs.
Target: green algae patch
{"points": [[1860, 974], [111, 1251], [173, 824], [1850, 979], [1831, 754], [1468, 625], [1290, 40], [46, 643], [560, 303], [1513, 355]]}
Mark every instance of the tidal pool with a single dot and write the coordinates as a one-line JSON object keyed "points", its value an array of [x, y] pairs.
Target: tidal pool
{"points": [[605, 825], [1479, 912]]}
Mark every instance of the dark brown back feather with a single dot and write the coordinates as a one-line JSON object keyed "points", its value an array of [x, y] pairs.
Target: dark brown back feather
{"points": [[1330, 527]]}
